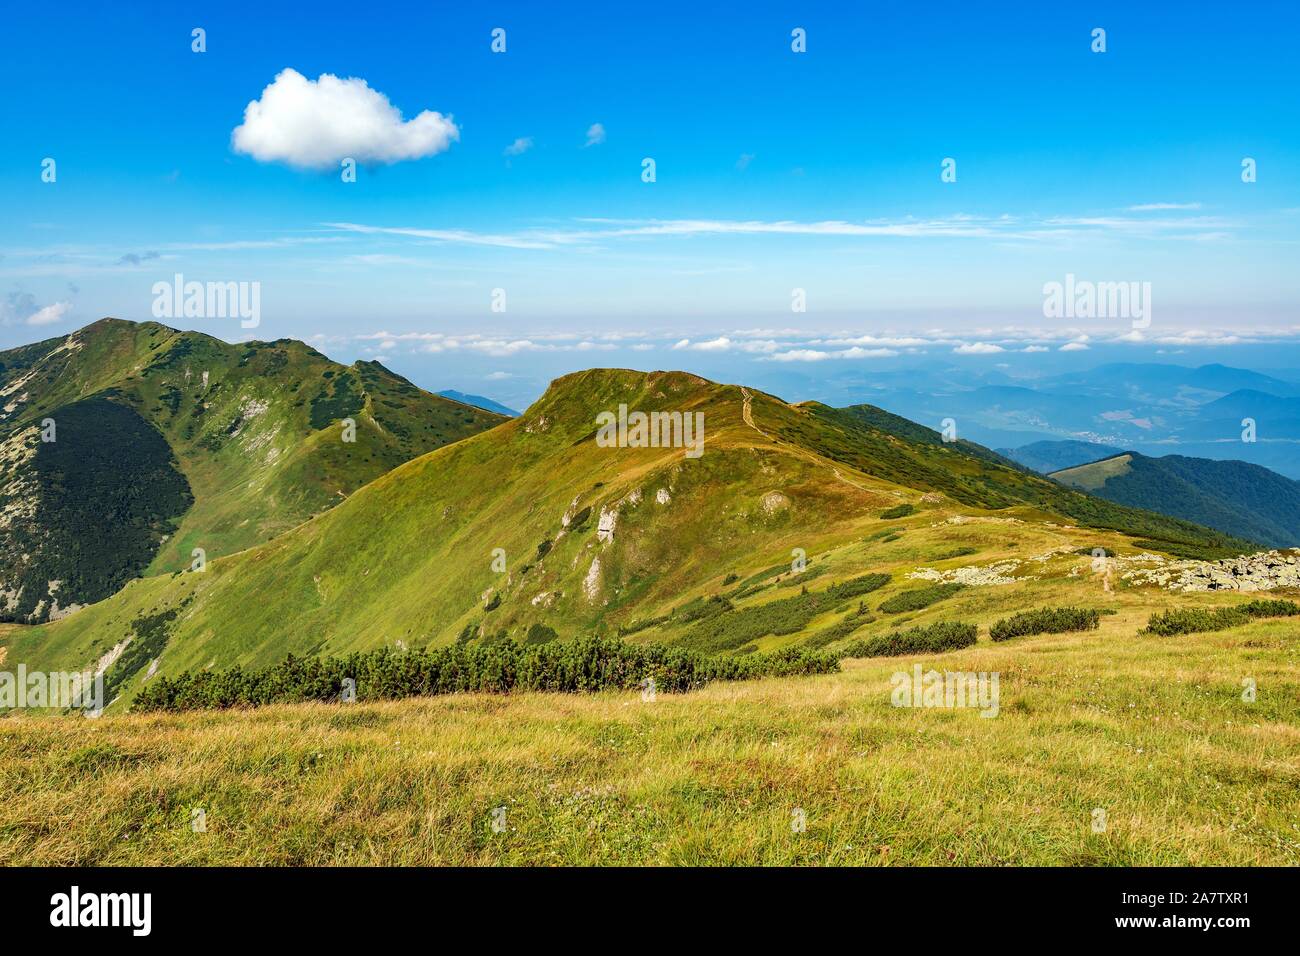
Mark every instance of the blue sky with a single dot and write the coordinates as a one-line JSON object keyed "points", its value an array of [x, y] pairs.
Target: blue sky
{"points": [[775, 171]]}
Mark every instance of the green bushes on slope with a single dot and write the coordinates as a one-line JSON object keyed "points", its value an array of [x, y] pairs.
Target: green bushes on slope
{"points": [[1045, 620], [736, 628], [898, 511], [582, 666], [1197, 619], [943, 636], [919, 598]]}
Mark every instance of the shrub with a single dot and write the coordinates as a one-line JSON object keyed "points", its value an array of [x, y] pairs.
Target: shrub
{"points": [[741, 626], [918, 598], [493, 602], [1197, 619], [582, 666], [856, 586], [1045, 620], [539, 633], [829, 635], [956, 553], [1270, 608], [898, 511], [699, 608], [640, 625], [943, 636]]}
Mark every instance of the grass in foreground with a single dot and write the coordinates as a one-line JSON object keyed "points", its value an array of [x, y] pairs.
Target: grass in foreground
{"points": [[1156, 733]]}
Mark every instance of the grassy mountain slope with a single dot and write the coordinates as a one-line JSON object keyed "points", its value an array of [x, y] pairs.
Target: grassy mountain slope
{"points": [[639, 541], [1154, 731], [1247, 499], [242, 441]]}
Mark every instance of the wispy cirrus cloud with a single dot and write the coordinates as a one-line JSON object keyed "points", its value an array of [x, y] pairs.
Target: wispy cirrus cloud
{"points": [[598, 230], [1162, 206]]}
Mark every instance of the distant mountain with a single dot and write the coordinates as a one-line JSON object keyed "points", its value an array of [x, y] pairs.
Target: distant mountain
{"points": [[1159, 381], [1046, 457], [1151, 408], [1235, 497], [478, 401], [124, 447], [1252, 403]]}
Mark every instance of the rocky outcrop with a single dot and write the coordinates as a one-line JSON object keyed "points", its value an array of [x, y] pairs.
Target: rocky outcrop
{"points": [[1264, 571]]}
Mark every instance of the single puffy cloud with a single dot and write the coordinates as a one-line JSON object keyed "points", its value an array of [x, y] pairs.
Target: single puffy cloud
{"points": [[978, 348], [50, 314], [314, 124], [1073, 347], [520, 146], [595, 134]]}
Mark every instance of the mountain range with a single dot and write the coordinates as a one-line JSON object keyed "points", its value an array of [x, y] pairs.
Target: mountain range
{"points": [[534, 528], [1149, 407], [129, 449]]}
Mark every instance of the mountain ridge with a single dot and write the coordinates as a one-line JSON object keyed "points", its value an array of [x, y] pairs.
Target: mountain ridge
{"points": [[1238, 495], [534, 529], [256, 431]]}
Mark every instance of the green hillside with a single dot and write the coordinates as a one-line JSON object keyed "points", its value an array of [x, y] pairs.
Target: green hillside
{"points": [[1046, 457], [532, 530], [1248, 500], [168, 441]]}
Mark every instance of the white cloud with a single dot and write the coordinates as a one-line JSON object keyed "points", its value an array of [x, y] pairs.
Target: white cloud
{"points": [[1073, 347], [591, 231], [1035, 348], [595, 135], [50, 314], [1160, 206], [720, 344], [520, 146], [313, 124], [978, 348], [814, 355]]}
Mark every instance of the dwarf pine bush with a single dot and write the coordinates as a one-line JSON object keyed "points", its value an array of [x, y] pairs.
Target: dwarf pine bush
{"points": [[1045, 620], [943, 636], [898, 511], [1193, 620], [582, 666], [1270, 608], [918, 598]]}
